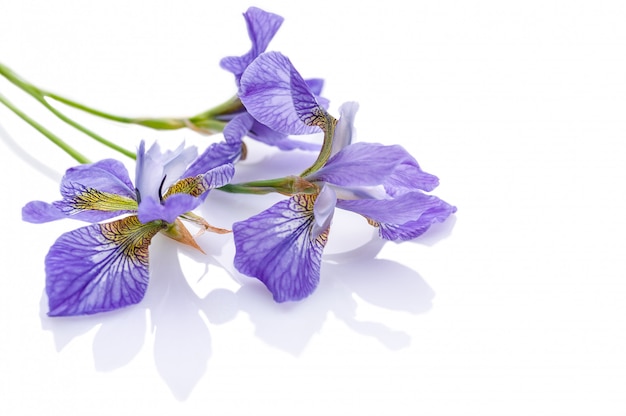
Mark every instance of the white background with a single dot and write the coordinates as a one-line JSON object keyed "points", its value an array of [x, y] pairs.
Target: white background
{"points": [[516, 306]]}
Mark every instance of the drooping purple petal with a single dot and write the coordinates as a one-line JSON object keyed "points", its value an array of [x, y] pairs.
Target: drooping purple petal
{"points": [[414, 229], [92, 193], [276, 95], [167, 210], [39, 212], [316, 85], [361, 164], [99, 268], [262, 26], [108, 175], [278, 248], [407, 176], [399, 210]]}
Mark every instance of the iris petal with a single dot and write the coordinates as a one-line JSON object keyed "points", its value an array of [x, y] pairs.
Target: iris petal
{"points": [[107, 175], [167, 210], [372, 164], [404, 217], [278, 248], [344, 131], [404, 208], [92, 193], [414, 229], [262, 26], [98, 268], [276, 95]]}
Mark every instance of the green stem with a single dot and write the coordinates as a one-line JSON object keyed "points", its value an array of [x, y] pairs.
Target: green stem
{"points": [[82, 107], [39, 95], [289, 185], [232, 105], [327, 123], [53, 138], [204, 123]]}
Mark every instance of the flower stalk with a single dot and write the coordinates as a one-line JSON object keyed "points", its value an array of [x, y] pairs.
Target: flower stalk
{"points": [[40, 96]]}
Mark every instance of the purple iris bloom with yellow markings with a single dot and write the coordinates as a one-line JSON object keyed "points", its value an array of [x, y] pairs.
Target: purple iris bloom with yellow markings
{"points": [[104, 266], [262, 26], [282, 246]]}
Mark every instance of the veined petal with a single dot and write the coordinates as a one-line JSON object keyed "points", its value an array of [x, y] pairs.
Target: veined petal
{"points": [[278, 248], [413, 229], [400, 210], [275, 94], [407, 176], [363, 164], [92, 205], [262, 26], [39, 212], [216, 155], [238, 127], [99, 268], [219, 176], [198, 185], [108, 175], [316, 85], [92, 193]]}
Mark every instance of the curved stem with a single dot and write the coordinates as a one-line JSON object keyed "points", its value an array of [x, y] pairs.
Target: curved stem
{"points": [[86, 109], [53, 138], [327, 123], [39, 95]]}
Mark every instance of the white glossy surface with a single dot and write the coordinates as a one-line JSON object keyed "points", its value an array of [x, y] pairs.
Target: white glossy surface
{"points": [[515, 306]]}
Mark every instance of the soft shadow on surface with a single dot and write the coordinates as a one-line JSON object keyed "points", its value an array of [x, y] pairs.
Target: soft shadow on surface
{"points": [[173, 313], [343, 284], [170, 310], [27, 158]]}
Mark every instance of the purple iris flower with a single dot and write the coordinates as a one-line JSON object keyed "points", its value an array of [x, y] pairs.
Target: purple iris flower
{"points": [[262, 26], [104, 266], [282, 246]]}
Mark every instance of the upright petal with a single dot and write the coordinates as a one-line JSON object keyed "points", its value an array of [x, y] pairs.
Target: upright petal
{"points": [[216, 155], [278, 248], [262, 26], [344, 131], [156, 171], [99, 268], [276, 95]]}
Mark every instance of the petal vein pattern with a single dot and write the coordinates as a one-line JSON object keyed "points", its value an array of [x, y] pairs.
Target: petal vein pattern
{"points": [[277, 247], [99, 267]]}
